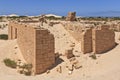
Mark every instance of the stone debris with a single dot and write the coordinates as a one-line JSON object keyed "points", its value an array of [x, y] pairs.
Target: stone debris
{"points": [[59, 69], [69, 53], [70, 72], [77, 65], [42, 20], [70, 67], [48, 71], [72, 45], [57, 55]]}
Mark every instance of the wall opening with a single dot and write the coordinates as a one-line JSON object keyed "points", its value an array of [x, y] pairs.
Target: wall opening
{"points": [[15, 33]]}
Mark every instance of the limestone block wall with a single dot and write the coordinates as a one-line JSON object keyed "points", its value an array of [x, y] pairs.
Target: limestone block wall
{"points": [[103, 39], [36, 45], [86, 41], [45, 56], [98, 40]]}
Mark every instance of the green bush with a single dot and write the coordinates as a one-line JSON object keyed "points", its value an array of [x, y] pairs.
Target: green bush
{"points": [[10, 63], [3, 36]]}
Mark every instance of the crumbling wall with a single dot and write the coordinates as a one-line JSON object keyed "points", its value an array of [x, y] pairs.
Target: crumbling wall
{"points": [[98, 40], [86, 41], [45, 56], [36, 45], [71, 16], [103, 39], [12, 32], [115, 27], [74, 29]]}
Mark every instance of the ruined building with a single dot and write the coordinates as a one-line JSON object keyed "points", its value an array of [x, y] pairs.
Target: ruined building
{"points": [[93, 39], [98, 40], [71, 16], [36, 45]]}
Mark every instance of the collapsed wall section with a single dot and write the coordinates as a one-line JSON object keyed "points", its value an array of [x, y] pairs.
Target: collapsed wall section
{"points": [[74, 29]]}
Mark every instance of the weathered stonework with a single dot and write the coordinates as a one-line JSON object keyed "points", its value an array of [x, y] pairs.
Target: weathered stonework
{"points": [[98, 40], [74, 29], [86, 41], [36, 45], [103, 39], [93, 39], [71, 16]]}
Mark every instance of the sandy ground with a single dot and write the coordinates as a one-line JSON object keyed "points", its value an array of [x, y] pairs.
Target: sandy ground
{"points": [[105, 67]]}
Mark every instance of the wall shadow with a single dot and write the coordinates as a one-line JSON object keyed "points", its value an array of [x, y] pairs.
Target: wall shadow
{"points": [[58, 61]]}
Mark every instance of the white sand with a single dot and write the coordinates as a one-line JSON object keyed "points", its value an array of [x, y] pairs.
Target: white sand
{"points": [[106, 67]]}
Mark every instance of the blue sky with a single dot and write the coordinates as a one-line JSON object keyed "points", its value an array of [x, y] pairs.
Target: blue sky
{"points": [[60, 7]]}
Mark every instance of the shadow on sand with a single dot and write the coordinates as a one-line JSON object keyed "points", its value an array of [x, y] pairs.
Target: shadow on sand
{"points": [[58, 61]]}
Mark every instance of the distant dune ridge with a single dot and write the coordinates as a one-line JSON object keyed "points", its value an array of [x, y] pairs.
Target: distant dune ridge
{"points": [[94, 14]]}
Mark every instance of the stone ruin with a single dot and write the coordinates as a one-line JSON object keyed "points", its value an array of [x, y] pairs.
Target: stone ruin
{"points": [[98, 40], [71, 16], [36, 45], [93, 39]]}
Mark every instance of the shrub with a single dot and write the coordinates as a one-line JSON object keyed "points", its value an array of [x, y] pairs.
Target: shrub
{"points": [[26, 69], [4, 36], [27, 73], [10, 63], [93, 56]]}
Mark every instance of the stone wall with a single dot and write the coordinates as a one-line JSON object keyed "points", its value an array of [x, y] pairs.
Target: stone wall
{"points": [[103, 39], [98, 40], [45, 56], [71, 16], [12, 31], [115, 27], [36, 45], [86, 41]]}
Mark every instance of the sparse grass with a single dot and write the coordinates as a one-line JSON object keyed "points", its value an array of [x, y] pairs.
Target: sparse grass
{"points": [[119, 38], [26, 69], [27, 73], [93, 56], [10, 63], [3, 36]]}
